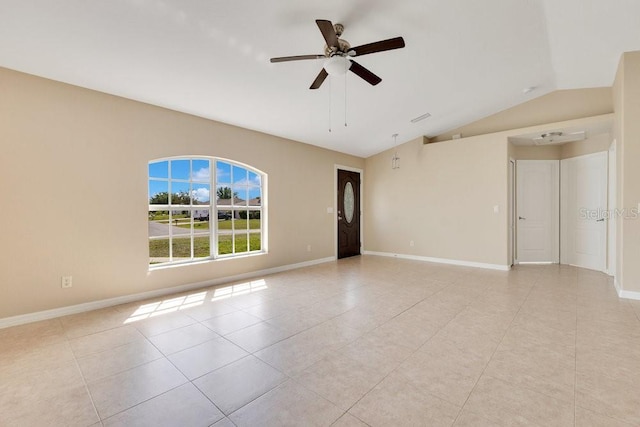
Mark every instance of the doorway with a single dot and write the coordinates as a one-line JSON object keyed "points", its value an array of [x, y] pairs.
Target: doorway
{"points": [[537, 211], [561, 211], [348, 215]]}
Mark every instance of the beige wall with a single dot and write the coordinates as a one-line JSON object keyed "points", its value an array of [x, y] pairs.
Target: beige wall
{"points": [[560, 105], [73, 181], [627, 134], [443, 195], [442, 198], [618, 125], [594, 144], [532, 152]]}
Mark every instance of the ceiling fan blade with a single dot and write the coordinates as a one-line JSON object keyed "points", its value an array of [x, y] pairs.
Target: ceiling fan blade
{"points": [[296, 58], [367, 75], [328, 32], [319, 80], [381, 46]]}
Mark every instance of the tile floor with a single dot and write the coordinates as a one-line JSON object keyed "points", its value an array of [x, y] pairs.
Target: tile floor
{"points": [[362, 341]]}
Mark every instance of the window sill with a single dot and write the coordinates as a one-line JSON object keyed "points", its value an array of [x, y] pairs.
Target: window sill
{"points": [[176, 264]]}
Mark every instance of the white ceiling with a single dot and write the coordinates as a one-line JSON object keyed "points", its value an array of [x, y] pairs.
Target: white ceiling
{"points": [[464, 59]]}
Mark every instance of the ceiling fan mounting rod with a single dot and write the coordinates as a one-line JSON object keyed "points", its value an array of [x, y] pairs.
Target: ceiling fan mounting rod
{"points": [[339, 28]]}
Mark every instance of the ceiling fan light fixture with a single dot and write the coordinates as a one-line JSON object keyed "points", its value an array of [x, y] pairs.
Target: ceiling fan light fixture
{"points": [[337, 65]]}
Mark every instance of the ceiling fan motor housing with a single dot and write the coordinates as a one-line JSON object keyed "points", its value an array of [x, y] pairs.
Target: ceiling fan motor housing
{"points": [[343, 48]]}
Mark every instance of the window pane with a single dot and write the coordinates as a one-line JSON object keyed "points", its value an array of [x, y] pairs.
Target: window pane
{"points": [[180, 169], [241, 242], [158, 251], [240, 196], [223, 195], [201, 246], [254, 179], [201, 221], [158, 223], [254, 220], [181, 247], [180, 193], [239, 175], [200, 171], [255, 198], [159, 169], [158, 192], [255, 242], [223, 173], [224, 220], [225, 244], [180, 223], [240, 220], [200, 194]]}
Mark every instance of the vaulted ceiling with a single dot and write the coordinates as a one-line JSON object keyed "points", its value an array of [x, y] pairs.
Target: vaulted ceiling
{"points": [[463, 60]]}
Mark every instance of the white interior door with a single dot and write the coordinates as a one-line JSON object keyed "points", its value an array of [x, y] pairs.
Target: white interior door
{"points": [[584, 197], [537, 211]]}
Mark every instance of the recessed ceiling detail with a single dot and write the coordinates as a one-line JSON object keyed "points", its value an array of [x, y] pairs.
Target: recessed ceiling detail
{"points": [[211, 59], [559, 137]]}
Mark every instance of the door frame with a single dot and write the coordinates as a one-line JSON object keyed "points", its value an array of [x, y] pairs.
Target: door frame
{"points": [[611, 206], [511, 232], [336, 167]]}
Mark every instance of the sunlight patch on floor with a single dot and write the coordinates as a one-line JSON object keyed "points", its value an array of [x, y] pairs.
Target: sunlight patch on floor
{"points": [[239, 289], [172, 305], [158, 308]]}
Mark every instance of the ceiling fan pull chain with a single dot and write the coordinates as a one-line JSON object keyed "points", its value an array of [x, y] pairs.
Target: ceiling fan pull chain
{"points": [[345, 99], [330, 97]]}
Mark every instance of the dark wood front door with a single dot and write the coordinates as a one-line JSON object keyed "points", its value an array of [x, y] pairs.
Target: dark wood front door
{"points": [[348, 213]]}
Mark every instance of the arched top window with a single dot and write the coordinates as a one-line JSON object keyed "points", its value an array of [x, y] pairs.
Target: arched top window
{"points": [[204, 208]]}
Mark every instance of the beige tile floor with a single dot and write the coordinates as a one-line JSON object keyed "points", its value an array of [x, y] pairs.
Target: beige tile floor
{"points": [[362, 341]]}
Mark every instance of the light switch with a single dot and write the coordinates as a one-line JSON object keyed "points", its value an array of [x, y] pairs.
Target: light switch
{"points": [[329, 210], [496, 209]]}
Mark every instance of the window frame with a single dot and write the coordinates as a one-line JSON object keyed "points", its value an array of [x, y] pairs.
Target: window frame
{"points": [[213, 207]]}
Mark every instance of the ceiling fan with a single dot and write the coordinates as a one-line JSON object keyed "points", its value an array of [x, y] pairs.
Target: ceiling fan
{"points": [[339, 53]]}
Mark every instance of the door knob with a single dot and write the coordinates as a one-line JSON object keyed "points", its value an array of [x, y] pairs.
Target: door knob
{"points": [[521, 217]]}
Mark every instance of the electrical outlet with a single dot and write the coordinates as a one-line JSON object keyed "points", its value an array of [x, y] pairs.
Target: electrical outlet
{"points": [[308, 248], [66, 282], [411, 243]]}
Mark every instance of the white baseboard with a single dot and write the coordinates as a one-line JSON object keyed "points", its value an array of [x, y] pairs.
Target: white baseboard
{"points": [[443, 261], [535, 262], [626, 294], [110, 302]]}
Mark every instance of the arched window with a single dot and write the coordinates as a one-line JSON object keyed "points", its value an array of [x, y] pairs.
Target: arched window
{"points": [[195, 214]]}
